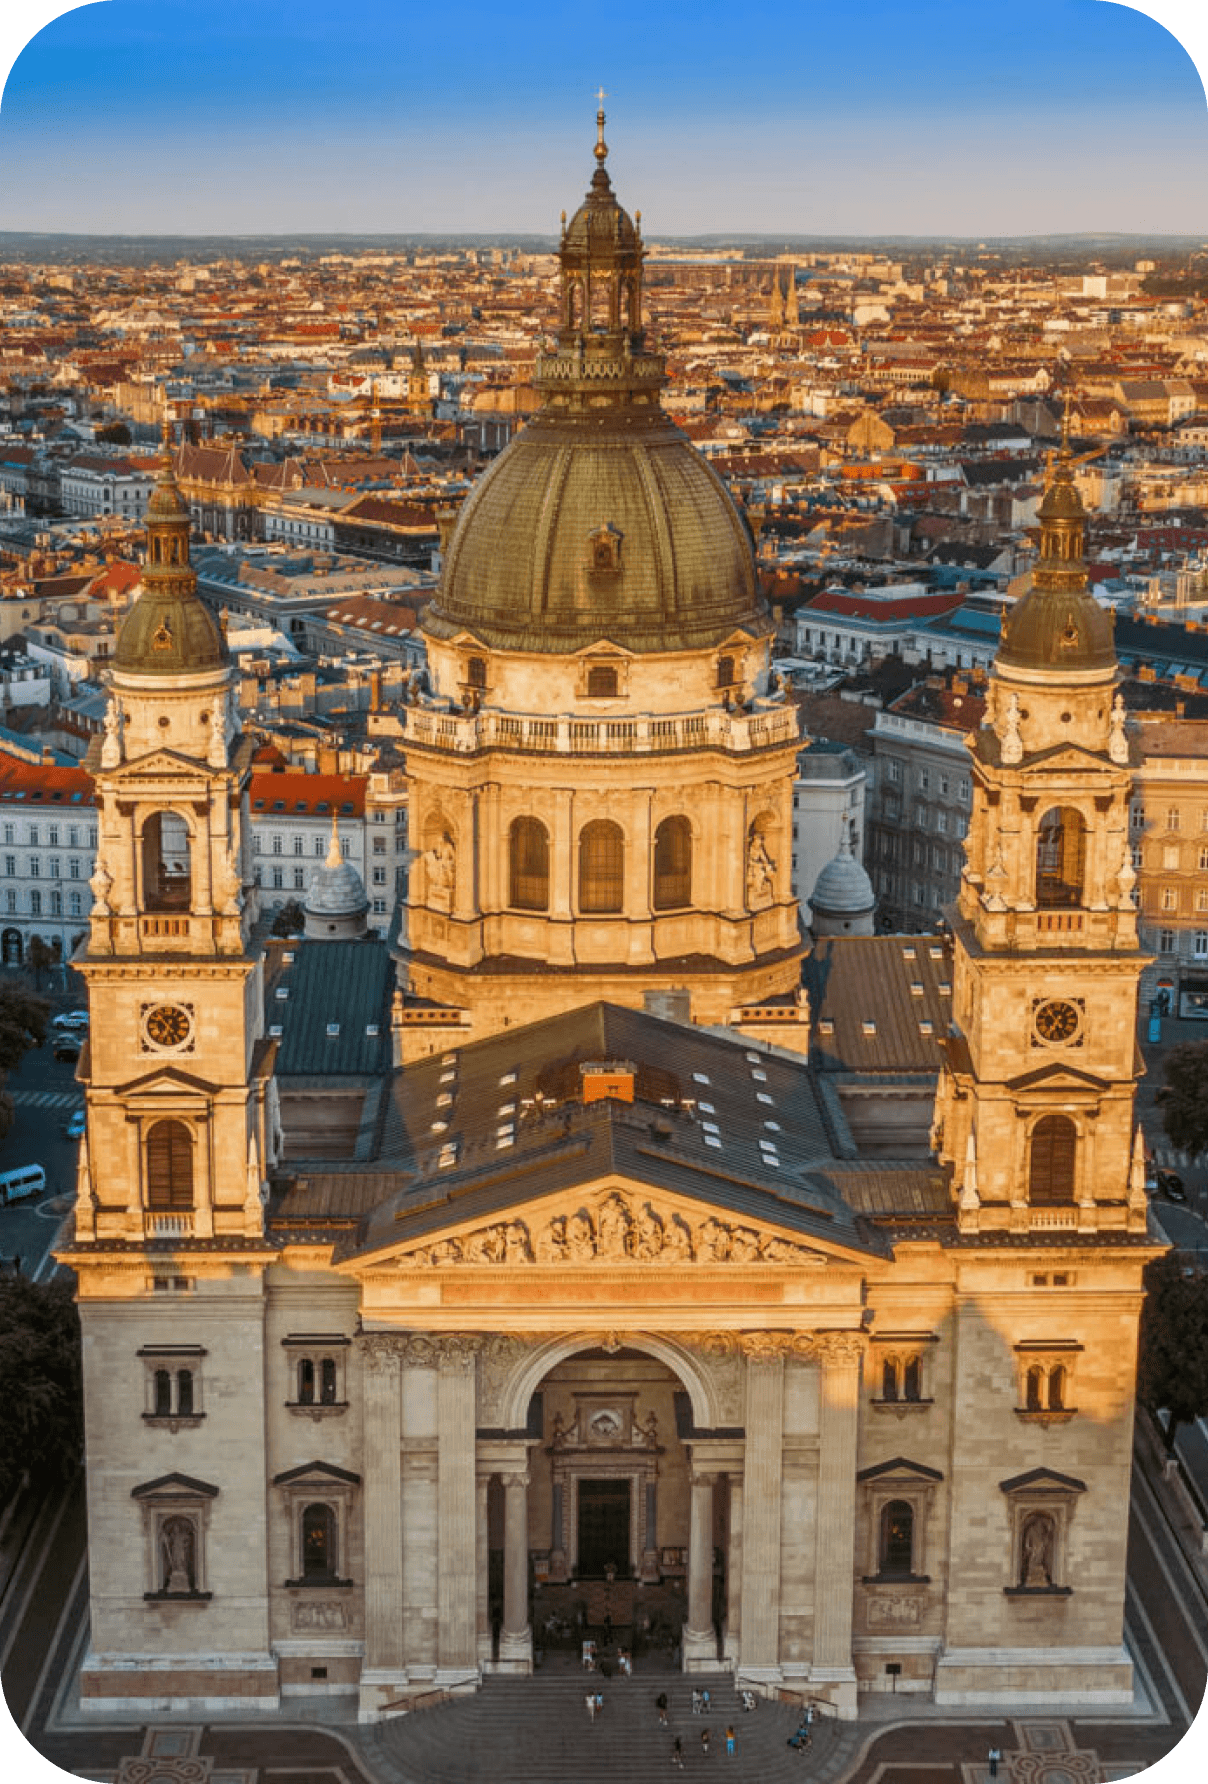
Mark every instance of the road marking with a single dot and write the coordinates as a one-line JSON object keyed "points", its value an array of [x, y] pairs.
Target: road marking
{"points": [[47, 1099], [52, 1646], [1139, 1608], [18, 1608], [1162, 1522], [1196, 1638]]}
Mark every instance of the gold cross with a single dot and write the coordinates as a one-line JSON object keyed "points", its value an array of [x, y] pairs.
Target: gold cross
{"points": [[601, 96]]}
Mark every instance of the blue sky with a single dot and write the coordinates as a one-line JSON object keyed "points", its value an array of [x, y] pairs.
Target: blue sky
{"points": [[1013, 116]]}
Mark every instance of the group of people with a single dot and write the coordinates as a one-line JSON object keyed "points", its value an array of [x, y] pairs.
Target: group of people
{"points": [[701, 1705]]}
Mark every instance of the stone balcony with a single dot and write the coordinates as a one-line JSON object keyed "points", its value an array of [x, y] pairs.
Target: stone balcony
{"points": [[771, 727]]}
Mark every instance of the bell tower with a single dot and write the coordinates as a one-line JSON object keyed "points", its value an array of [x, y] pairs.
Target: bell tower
{"points": [[179, 1131], [1034, 1113]]}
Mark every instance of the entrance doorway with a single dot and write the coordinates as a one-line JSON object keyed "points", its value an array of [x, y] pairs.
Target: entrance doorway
{"points": [[604, 1510]]}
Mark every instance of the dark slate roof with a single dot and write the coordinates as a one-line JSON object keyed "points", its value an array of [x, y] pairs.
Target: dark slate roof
{"points": [[343, 984], [871, 998]]}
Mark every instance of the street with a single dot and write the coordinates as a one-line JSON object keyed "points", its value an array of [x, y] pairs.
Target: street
{"points": [[44, 1093]]}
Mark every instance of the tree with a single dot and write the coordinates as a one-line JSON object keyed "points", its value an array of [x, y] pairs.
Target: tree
{"points": [[1172, 1366], [116, 433], [23, 1021], [1183, 1099], [41, 1390], [290, 919]]}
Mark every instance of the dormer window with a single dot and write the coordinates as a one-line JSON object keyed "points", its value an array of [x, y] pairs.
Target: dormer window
{"points": [[604, 551], [725, 672], [476, 672], [602, 682]]}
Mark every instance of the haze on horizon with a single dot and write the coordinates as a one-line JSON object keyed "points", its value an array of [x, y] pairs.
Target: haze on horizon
{"points": [[1028, 117]]}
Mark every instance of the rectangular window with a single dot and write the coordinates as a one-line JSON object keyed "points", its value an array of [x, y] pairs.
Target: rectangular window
{"points": [[299, 879], [941, 822], [379, 876], [73, 869], [1170, 855], [10, 834], [1200, 948], [1170, 898], [1166, 941], [320, 850], [1204, 860], [1172, 818], [35, 867], [379, 907], [965, 791], [92, 838], [10, 866], [73, 836], [54, 868], [278, 879], [379, 845], [277, 846], [1201, 899], [33, 835], [10, 901], [53, 837], [299, 845], [1136, 816], [894, 769]]}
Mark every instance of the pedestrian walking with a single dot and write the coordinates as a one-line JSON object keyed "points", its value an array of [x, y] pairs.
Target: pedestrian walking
{"points": [[660, 1704], [599, 1702], [591, 1706], [730, 1741], [677, 1753], [704, 1742], [992, 1758], [706, 1702], [695, 1702]]}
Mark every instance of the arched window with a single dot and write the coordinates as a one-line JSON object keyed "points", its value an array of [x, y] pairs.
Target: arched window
{"points": [[889, 1379], [897, 1537], [912, 1379], [601, 868], [476, 672], [327, 1381], [528, 859], [184, 1392], [672, 864], [1060, 857], [306, 1382], [1057, 1389], [169, 1166], [725, 672], [1035, 1394], [602, 679], [1053, 1155], [318, 1542], [167, 874], [163, 1394]]}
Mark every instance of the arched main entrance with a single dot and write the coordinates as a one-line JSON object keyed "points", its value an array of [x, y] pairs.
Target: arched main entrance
{"points": [[624, 1544]]}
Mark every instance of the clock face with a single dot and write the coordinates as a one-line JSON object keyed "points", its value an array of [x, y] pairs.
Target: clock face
{"points": [[167, 1025], [1058, 1022]]}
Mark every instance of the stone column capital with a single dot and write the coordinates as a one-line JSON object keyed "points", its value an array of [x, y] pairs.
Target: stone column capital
{"points": [[513, 1482], [835, 1350], [381, 1352], [768, 1347], [704, 1477]]}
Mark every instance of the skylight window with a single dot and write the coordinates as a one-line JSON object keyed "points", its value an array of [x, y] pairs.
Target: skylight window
{"points": [[868, 1026], [706, 1108], [333, 1031], [773, 1127], [448, 1077], [506, 1109], [761, 1096], [926, 1028], [504, 1140], [916, 990], [936, 953], [826, 1026], [440, 1127], [275, 1029], [712, 1140], [282, 993], [945, 991], [754, 1058], [700, 1078], [710, 1127], [508, 1078], [908, 954], [444, 1100], [760, 1077], [371, 1029]]}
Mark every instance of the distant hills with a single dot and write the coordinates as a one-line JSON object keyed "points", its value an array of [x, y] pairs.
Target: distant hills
{"points": [[148, 250]]}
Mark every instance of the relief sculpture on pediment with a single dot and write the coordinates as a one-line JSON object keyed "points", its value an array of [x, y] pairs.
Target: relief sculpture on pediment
{"points": [[619, 1230]]}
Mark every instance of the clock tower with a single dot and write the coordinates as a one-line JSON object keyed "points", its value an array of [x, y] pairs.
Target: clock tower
{"points": [[1034, 1113], [178, 1120]]}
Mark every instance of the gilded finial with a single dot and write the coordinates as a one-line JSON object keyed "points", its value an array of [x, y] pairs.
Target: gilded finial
{"points": [[601, 148], [1065, 426]]}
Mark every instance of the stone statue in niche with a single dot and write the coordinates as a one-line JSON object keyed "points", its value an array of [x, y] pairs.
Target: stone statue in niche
{"points": [[645, 1433], [1037, 1560], [1012, 739], [614, 1226], [228, 884], [442, 869], [761, 872], [178, 1554]]}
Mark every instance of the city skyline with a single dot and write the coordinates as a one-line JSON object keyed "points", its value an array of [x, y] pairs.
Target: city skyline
{"points": [[795, 135]]}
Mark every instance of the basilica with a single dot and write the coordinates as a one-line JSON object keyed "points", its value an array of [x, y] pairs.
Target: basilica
{"points": [[608, 1243]]}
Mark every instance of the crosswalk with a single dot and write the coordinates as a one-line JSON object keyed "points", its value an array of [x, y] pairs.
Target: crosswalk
{"points": [[47, 1099]]}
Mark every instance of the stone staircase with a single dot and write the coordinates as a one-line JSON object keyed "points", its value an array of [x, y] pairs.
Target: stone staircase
{"points": [[537, 1731]]}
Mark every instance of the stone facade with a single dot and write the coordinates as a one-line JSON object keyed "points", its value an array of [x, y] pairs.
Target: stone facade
{"points": [[597, 1294]]}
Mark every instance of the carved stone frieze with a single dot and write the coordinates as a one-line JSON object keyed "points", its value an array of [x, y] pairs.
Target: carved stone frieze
{"points": [[720, 1356], [616, 1230], [501, 1354], [894, 1610], [322, 1613], [385, 1351], [834, 1349]]}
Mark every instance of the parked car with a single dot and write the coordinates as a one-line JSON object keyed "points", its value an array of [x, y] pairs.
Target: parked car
{"points": [[70, 1020], [67, 1047], [1171, 1186], [73, 1127]]}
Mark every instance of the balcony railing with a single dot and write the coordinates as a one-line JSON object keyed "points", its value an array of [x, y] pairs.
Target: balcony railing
{"points": [[1064, 1219], [1058, 922], [714, 729], [174, 1225]]}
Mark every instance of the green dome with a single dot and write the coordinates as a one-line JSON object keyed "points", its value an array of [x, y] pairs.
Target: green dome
{"points": [[1054, 628], [169, 631], [591, 526]]}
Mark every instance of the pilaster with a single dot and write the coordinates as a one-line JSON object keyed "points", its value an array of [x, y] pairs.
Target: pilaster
{"points": [[761, 1507]]}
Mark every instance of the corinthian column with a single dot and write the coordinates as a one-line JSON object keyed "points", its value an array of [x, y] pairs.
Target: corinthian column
{"points": [[700, 1642], [734, 1572], [482, 1565], [840, 1354], [383, 1505], [516, 1637]]}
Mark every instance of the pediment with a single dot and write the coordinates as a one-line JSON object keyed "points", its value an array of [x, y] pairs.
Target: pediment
{"points": [[158, 761], [608, 1227], [166, 1080], [1059, 1074], [899, 1469], [316, 1474], [603, 646], [1063, 756], [1041, 1480]]}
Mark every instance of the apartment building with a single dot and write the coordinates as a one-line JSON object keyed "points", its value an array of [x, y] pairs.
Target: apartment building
{"points": [[1168, 827]]}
